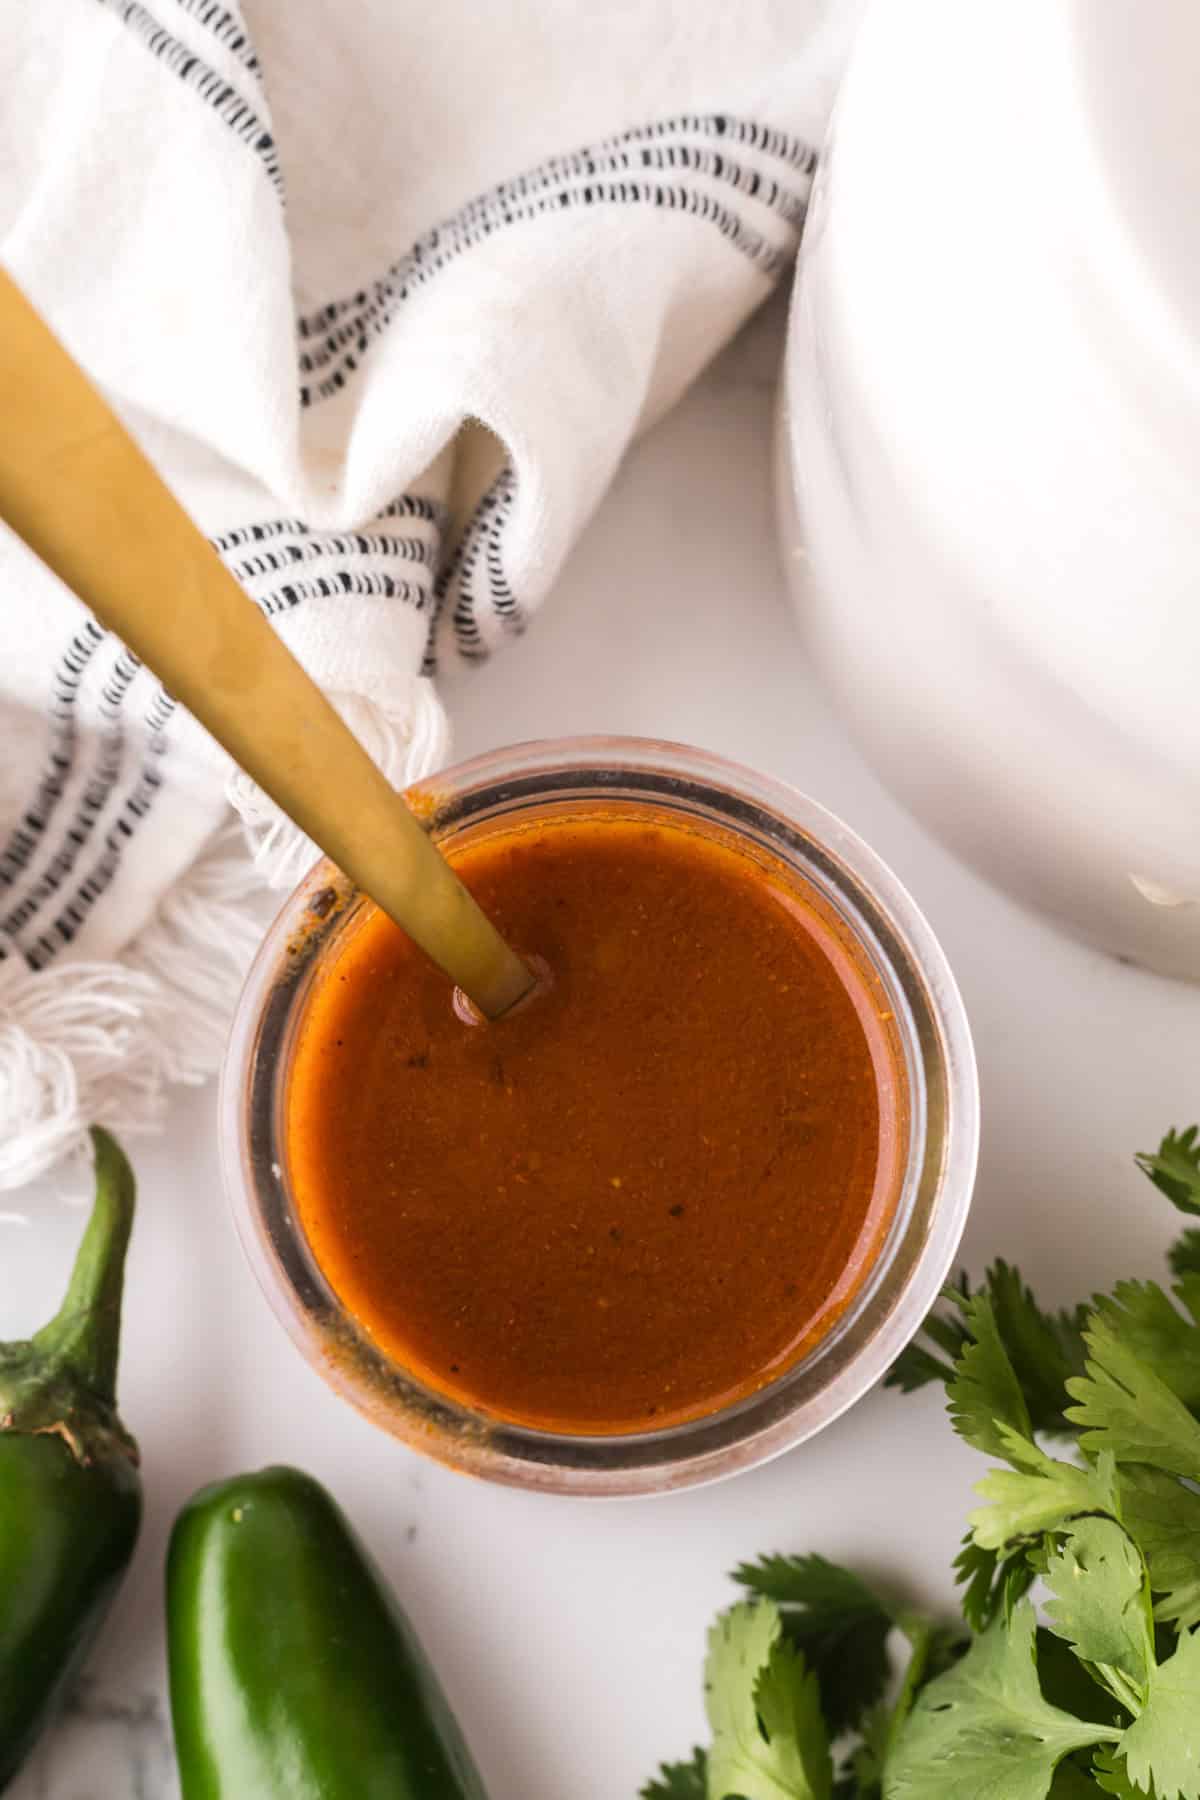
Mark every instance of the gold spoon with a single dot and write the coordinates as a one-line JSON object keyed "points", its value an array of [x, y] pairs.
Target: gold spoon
{"points": [[76, 487]]}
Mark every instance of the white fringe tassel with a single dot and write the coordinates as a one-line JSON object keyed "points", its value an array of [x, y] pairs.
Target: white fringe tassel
{"points": [[88, 1042], [405, 749], [76, 1044]]}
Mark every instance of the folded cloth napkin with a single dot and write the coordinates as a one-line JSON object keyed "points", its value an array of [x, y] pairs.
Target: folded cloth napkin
{"points": [[384, 292]]}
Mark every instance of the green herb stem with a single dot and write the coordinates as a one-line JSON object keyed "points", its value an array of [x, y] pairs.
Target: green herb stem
{"points": [[919, 1632]]}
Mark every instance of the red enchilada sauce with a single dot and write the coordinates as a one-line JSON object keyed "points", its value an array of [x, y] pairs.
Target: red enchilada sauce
{"points": [[642, 1195]]}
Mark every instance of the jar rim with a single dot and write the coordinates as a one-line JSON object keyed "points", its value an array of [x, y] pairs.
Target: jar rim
{"points": [[935, 1188]]}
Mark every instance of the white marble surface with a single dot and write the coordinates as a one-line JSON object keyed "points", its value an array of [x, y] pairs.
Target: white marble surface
{"points": [[569, 1634]]}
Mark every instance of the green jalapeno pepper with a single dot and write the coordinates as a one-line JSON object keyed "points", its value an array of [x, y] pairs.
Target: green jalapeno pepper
{"points": [[294, 1673], [70, 1495]]}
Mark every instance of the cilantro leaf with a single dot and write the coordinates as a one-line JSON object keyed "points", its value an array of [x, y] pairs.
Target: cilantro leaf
{"points": [[1067, 1684], [1175, 1168], [1037, 1495], [1187, 1288], [1163, 1518], [1043, 1348], [769, 1740], [825, 1590], [1124, 1407], [984, 1728], [739, 1643], [1100, 1603], [789, 1711], [933, 1649], [861, 1776], [916, 1367], [946, 1332], [975, 1571], [947, 1645], [1070, 1783], [1142, 1316], [985, 1393], [1163, 1744], [989, 1580], [679, 1781], [1184, 1258], [1112, 1777], [839, 1624]]}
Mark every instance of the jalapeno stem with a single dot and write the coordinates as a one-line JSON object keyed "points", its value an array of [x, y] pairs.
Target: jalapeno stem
{"points": [[82, 1341]]}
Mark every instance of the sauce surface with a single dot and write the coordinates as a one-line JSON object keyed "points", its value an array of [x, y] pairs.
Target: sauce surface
{"points": [[643, 1194]]}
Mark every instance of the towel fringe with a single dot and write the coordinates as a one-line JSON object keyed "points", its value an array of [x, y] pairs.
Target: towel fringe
{"points": [[406, 747], [99, 1042]]}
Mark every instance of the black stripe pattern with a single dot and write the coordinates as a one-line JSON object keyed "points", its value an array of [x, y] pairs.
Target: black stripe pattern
{"points": [[282, 563], [133, 810], [231, 107], [36, 817], [475, 575], [51, 886], [228, 30], [654, 165], [97, 792]]}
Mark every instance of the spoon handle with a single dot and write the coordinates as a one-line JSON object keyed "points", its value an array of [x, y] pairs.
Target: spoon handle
{"points": [[76, 487]]}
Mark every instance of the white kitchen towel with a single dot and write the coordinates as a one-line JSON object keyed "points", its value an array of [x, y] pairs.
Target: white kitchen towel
{"points": [[384, 290]]}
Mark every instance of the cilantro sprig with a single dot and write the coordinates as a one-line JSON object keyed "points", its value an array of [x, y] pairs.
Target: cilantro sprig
{"points": [[836, 1623], [1174, 1168], [819, 1688]]}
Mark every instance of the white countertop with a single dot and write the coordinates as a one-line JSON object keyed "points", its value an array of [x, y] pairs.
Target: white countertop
{"points": [[569, 1634]]}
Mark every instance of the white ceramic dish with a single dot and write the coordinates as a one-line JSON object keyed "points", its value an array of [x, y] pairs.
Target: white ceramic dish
{"points": [[992, 432]]}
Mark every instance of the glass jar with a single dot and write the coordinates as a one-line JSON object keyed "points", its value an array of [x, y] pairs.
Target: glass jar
{"points": [[934, 1170]]}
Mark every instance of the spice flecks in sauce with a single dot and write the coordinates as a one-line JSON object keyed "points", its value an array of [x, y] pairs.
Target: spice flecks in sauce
{"points": [[640, 1196]]}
